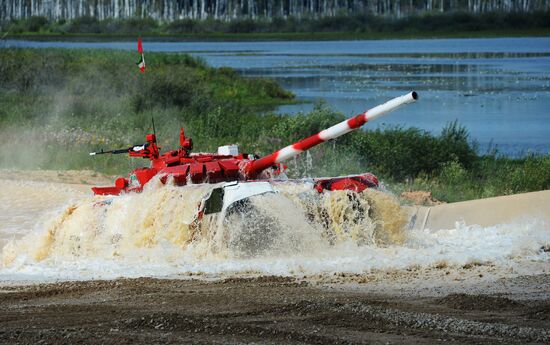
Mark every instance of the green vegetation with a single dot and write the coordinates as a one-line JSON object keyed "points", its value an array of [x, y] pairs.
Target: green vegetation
{"points": [[489, 176], [58, 105], [339, 27], [412, 159]]}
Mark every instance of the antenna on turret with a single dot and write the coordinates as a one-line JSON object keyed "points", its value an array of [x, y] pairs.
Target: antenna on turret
{"points": [[153, 121]]}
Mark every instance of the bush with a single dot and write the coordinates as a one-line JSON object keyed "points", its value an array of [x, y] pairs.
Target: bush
{"points": [[166, 90], [134, 25], [455, 145], [533, 174], [242, 26], [453, 174], [299, 126], [182, 26], [86, 25], [404, 153], [35, 24]]}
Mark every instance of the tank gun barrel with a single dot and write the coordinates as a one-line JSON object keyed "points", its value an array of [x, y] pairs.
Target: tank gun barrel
{"points": [[112, 152], [255, 167], [129, 150]]}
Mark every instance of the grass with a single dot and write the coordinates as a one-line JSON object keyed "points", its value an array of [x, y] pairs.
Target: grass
{"points": [[294, 36], [56, 105], [491, 176], [360, 26]]}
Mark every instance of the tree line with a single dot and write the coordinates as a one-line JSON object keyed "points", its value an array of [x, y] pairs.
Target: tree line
{"points": [[169, 10]]}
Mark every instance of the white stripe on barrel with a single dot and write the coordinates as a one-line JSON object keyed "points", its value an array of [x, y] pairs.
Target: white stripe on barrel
{"points": [[335, 131], [256, 166], [390, 105], [286, 153]]}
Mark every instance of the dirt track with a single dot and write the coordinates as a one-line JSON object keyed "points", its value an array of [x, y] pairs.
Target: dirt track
{"points": [[266, 310]]}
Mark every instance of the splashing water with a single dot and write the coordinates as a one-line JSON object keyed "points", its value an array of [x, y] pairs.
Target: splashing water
{"points": [[294, 232]]}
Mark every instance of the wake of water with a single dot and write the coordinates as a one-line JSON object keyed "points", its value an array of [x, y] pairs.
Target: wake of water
{"points": [[294, 232]]}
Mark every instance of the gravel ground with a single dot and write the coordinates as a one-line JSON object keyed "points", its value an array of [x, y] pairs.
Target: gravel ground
{"points": [[271, 310]]}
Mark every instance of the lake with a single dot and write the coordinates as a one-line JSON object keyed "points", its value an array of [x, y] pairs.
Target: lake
{"points": [[499, 89]]}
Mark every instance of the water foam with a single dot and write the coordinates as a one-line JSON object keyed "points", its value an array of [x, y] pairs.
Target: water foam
{"points": [[295, 232]]}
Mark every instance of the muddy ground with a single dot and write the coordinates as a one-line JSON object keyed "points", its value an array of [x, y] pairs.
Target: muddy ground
{"points": [[265, 310]]}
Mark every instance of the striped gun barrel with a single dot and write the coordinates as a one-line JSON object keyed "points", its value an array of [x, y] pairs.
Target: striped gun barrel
{"points": [[255, 167]]}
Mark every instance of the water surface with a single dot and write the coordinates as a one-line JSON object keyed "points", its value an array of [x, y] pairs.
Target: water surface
{"points": [[498, 88]]}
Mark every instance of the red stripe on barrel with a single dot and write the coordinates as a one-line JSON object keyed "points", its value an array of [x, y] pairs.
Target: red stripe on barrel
{"points": [[258, 165], [308, 143], [357, 121]]}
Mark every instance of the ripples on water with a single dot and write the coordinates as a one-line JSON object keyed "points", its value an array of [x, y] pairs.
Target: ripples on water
{"points": [[498, 88]]}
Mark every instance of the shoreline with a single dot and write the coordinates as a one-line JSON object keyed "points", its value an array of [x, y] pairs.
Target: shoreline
{"points": [[295, 36]]}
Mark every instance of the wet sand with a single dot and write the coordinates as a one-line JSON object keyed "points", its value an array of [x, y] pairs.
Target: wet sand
{"points": [[266, 310], [81, 180]]}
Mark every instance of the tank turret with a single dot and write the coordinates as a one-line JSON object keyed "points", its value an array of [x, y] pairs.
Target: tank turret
{"points": [[228, 165]]}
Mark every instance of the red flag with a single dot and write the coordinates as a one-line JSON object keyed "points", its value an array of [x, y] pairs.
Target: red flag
{"points": [[140, 47], [141, 62]]}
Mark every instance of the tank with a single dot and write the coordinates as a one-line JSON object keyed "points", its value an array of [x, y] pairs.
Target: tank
{"points": [[240, 175]]}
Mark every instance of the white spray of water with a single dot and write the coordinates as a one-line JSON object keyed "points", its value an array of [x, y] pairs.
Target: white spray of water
{"points": [[21, 206], [294, 232]]}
